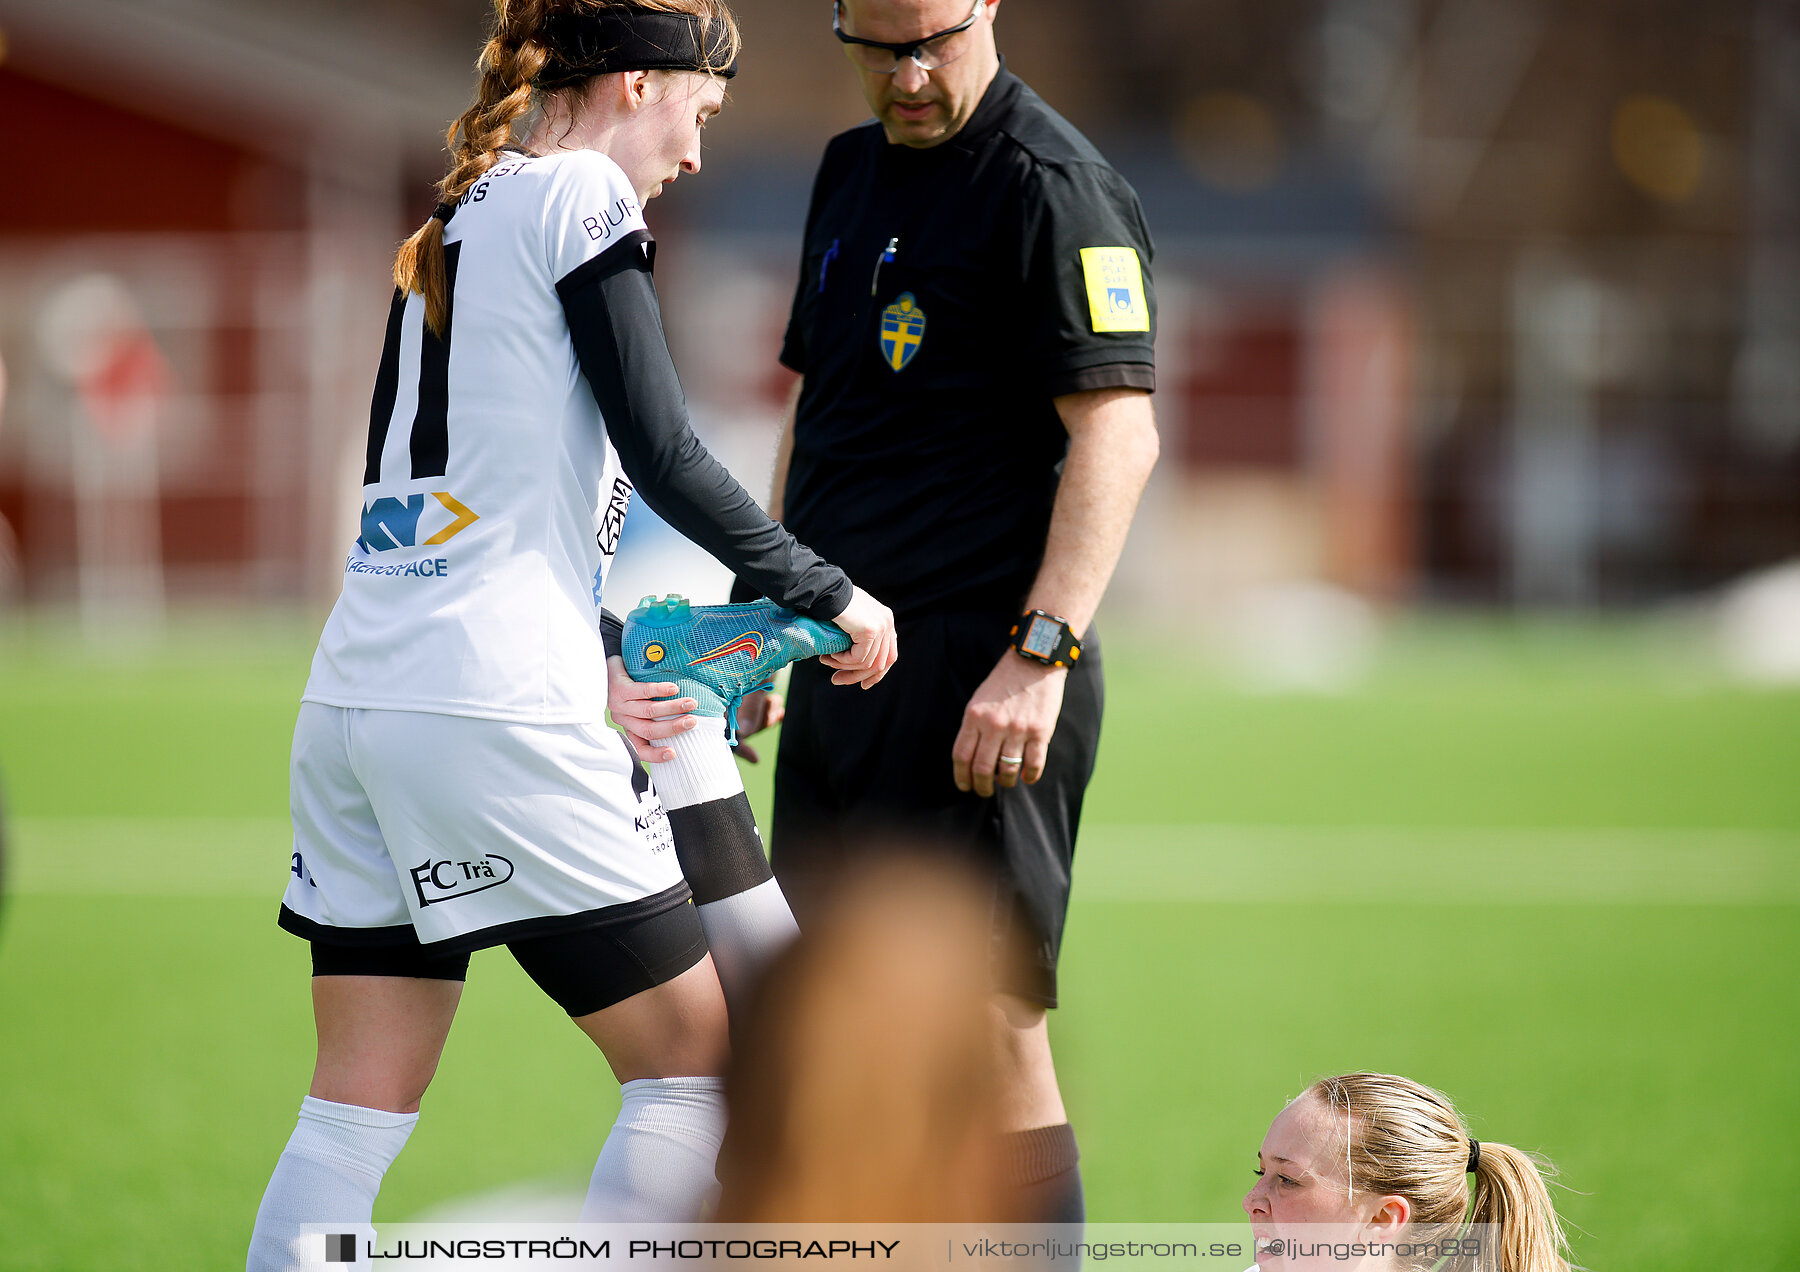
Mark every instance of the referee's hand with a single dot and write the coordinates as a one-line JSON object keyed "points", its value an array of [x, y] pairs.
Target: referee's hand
{"points": [[1006, 728], [873, 644]]}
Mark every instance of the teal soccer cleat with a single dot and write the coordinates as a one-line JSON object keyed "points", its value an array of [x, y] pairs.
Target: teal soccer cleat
{"points": [[719, 653]]}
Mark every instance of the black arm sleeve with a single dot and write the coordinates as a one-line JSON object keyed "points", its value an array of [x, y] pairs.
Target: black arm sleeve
{"points": [[616, 324]]}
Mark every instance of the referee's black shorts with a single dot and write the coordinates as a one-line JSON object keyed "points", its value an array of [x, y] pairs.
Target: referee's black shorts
{"points": [[862, 769]]}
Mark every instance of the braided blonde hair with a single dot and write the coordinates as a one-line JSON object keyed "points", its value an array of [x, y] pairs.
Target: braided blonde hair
{"points": [[1409, 1141], [514, 56]]}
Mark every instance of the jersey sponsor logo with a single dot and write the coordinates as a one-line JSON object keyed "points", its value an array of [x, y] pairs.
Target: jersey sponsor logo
{"points": [[612, 525], [389, 523], [902, 331], [438, 881], [479, 191], [300, 872], [612, 519], [749, 643], [652, 821], [430, 568], [602, 227], [1115, 288]]}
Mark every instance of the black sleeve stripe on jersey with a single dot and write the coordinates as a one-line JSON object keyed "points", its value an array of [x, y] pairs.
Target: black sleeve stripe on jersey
{"points": [[624, 254], [387, 388], [615, 323], [431, 424], [1112, 375]]}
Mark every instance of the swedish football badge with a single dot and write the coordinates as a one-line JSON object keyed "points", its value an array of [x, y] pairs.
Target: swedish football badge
{"points": [[902, 331], [1115, 288]]}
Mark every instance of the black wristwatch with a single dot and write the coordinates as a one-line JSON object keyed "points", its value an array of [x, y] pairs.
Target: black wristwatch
{"points": [[1045, 638]]}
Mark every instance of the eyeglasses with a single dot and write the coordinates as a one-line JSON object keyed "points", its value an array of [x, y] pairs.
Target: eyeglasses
{"points": [[928, 54]]}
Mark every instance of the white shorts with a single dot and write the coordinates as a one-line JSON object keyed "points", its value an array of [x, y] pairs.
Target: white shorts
{"points": [[460, 833]]}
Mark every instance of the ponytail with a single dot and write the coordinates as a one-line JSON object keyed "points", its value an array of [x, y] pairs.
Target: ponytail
{"points": [[1407, 1140], [1510, 1194], [510, 61], [419, 267]]}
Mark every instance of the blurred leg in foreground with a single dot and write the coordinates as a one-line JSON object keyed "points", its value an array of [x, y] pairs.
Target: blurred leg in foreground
{"points": [[858, 768], [865, 1087]]}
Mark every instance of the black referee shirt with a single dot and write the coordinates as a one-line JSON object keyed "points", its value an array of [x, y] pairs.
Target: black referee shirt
{"points": [[946, 296]]}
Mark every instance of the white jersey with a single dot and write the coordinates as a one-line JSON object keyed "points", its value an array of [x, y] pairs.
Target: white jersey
{"points": [[492, 500]]}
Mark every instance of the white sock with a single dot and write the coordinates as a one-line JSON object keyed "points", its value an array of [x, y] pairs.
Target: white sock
{"points": [[703, 769], [744, 931], [325, 1182], [742, 910], [657, 1164]]}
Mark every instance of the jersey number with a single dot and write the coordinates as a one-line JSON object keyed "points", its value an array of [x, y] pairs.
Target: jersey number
{"points": [[430, 437]]}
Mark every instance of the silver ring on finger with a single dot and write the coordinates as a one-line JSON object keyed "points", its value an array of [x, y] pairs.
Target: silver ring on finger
{"points": [[1014, 760]]}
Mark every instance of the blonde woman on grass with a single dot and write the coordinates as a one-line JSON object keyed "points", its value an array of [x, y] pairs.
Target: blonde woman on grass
{"points": [[1374, 1171]]}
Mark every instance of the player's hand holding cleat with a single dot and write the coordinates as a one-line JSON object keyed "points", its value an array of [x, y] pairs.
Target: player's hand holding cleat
{"points": [[717, 654], [649, 713]]}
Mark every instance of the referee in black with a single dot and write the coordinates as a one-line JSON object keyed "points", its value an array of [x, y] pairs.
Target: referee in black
{"points": [[973, 327]]}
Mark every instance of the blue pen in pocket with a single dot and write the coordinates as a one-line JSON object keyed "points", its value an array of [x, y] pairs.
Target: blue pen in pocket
{"points": [[831, 254]]}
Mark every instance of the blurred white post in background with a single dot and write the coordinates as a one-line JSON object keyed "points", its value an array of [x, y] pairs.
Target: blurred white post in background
{"points": [[1571, 335], [93, 338], [1552, 440]]}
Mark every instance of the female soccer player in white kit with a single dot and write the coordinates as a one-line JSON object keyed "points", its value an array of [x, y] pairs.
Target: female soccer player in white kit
{"points": [[453, 783]]}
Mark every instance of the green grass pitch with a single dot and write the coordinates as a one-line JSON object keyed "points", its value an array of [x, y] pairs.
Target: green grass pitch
{"points": [[1539, 867]]}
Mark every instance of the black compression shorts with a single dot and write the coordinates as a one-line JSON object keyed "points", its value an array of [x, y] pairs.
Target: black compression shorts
{"points": [[861, 769], [583, 970]]}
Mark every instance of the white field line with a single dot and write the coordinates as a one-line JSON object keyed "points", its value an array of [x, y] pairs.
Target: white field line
{"points": [[1406, 864], [249, 857]]}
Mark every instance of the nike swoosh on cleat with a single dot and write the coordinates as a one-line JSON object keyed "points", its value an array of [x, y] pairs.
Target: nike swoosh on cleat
{"points": [[749, 643]]}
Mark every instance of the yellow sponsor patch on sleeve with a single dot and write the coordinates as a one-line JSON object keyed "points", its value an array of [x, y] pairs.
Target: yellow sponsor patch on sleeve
{"points": [[1115, 288]]}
